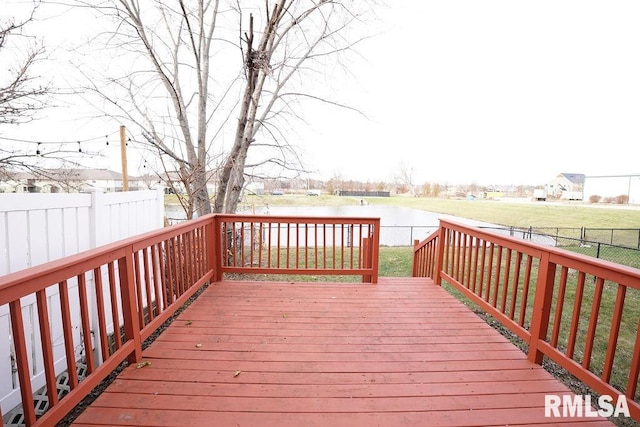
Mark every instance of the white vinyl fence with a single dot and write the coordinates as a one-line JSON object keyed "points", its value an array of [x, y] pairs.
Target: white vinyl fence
{"points": [[37, 228]]}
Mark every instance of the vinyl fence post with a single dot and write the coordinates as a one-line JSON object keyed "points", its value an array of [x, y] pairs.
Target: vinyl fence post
{"points": [[160, 205], [97, 219]]}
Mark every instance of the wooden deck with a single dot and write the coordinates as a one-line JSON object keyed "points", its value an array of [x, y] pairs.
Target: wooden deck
{"points": [[402, 352]]}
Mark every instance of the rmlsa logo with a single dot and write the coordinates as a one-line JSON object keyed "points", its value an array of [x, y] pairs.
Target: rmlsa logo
{"points": [[580, 406]]}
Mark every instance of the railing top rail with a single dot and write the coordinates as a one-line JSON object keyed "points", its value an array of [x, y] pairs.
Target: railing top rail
{"points": [[427, 240], [299, 219], [585, 263], [528, 248], [24, 282]]}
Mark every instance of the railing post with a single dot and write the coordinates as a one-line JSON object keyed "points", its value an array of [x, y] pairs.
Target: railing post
{"points": [[541, 307], [22, 361], [129, 306], [214, 248], [366, 258], [370, 252], [440, 255], [375, 252], [414, 270]]}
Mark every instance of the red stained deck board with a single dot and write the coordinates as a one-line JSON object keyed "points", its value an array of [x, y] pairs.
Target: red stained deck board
{"points": [[401, 352], [179, 418]]}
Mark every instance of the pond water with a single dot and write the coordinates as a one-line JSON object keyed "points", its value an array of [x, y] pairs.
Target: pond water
{"points": [[399, 226]]}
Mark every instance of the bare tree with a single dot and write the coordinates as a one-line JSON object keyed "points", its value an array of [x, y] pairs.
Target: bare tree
{"points": [[163, 51], [21, 94], [295, 35], [404, 175], [191, 84]]}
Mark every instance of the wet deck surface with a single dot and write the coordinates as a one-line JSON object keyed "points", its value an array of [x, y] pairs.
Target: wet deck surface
{"points": [[403, 352]]}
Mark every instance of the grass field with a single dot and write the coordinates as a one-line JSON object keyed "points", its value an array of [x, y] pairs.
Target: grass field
{"points": [[514, 213]]}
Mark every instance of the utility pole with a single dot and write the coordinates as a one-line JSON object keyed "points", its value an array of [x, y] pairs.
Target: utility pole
{"points": [[123, 155]]}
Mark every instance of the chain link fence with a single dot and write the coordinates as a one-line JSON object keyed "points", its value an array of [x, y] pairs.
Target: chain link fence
{"points": [[624, 237]]}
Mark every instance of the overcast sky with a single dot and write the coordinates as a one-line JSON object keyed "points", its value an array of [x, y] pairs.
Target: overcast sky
{"points": [[475, 91], [495, 92]]}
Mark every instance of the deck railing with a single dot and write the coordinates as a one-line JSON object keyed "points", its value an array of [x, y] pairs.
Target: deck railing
{"points": [[82, 316], [86, 314], [580, 312], [297, 245]]}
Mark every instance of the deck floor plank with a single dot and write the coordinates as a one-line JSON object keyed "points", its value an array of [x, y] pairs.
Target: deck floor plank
{"points": [[402, 352]]}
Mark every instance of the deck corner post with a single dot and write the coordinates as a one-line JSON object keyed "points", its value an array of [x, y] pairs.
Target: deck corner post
{"points": [[374, 249], [365, 258], [439, 254], [541, 307], [214, 245], [414, 265], [368, 260], [129, 306]]}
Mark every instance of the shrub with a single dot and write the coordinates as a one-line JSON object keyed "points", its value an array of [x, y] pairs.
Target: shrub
{"points": [[622, 199], [595, 198]]}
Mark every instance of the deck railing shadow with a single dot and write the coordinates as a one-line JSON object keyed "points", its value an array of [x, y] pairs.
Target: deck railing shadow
{"points": [[83, 316], [580, 312]]}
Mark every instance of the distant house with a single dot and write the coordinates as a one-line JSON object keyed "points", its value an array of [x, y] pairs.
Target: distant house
{"points": [[64, 181], [569, 186]]}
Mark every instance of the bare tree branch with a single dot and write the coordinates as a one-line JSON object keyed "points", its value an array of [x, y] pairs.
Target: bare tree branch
{"points": [[21, 94]]}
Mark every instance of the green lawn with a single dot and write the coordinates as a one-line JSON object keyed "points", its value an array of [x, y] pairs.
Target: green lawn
{"points": [[394, 262], [517, 214]]}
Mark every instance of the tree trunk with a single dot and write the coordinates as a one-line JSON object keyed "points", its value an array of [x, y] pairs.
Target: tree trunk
{"points": [[201, 203], [236, 181]]}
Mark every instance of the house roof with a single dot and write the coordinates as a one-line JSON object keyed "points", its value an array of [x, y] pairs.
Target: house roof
{"points": [[575, 178]]}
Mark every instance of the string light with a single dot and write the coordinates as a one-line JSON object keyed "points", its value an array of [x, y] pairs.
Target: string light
{"points": [[40, 151], [38, 142]]}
